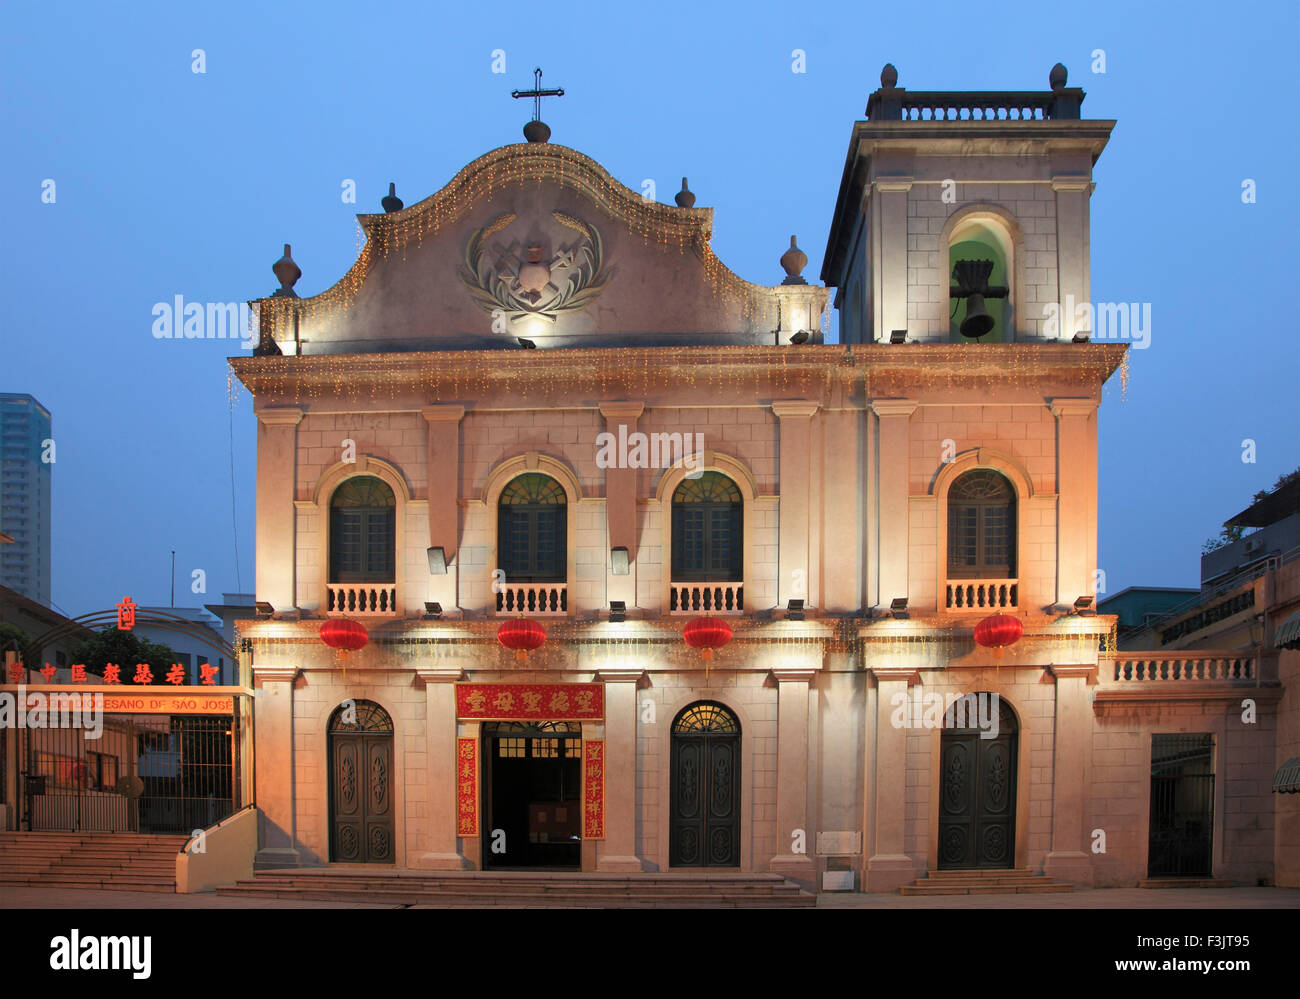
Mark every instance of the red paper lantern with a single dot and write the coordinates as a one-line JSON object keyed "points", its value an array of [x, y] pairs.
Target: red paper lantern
{"points": [[707, 633], [998, 631], [344, 634], [522, 635]]}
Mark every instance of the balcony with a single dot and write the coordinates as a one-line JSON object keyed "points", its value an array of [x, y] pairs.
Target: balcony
{"points": [[706, 598], [536, 599], [1183, 668], [978, 595], [361, 599]]}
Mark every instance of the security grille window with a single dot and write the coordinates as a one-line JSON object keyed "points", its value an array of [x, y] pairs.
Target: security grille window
{"points": [[362, 532], [982, 526], [531, 528], [707, 534]]}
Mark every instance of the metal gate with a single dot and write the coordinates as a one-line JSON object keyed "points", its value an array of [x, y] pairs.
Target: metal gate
{"points": [[1181, 838], [146, 773]]}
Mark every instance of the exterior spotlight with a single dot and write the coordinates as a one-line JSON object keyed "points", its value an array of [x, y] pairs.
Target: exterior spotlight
{"points": [[794, 610], [264, 609], [898, 608], [437, 561], [800, 337], [1083, 605], [432, 610], [526, 344], [618, 561], [898, 336], [1083, 336], [617, 611]]}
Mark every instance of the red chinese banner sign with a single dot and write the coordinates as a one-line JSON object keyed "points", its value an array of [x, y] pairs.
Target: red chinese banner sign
{"points": [[530, 701], [466, 787], [593, 788]]}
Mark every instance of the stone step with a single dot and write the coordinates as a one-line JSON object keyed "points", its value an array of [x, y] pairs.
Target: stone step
{"points": [[921, 888], [983, 872], [488, 883], [452, 898], [1161, 883]]}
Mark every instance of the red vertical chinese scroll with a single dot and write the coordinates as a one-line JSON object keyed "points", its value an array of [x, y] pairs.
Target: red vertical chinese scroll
{"points": [[593, 788], [466, 787]]}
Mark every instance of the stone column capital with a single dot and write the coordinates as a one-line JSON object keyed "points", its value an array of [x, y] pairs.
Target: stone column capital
{"points": [[442, 414], [432, 676], [1071, 182], [276, 674], [910, 674], [619, 675], [1072, 407], [622, 410], [893, 407], [280, 416], [794, 674], [1064, 672], [892, 185], [794, 407]]}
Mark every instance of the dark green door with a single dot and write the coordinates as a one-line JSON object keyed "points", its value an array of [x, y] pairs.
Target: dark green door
{"points": [[977, 795], [704, 826]]}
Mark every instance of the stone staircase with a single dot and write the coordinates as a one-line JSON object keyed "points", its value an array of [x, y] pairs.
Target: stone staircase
{"points": [[113, 861], [511, 889], [1015, 881], [1162, 883]]}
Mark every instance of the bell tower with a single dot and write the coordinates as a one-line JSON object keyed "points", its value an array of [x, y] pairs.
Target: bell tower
{"points": [[963, 217]]}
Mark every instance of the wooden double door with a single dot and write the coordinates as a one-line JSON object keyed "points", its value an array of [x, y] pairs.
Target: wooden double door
{"points": [[361, 787], [977, 796], [704, 826]]}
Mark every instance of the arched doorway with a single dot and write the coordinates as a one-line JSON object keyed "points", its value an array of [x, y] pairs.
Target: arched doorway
{"points": [[705, 811], [532, 774], [977, 784], [361, 784]]}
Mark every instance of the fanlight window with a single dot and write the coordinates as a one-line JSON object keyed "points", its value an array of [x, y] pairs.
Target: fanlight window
{"points": [[363, 514], [706, 718], [707, 535], [366, 716], [532, 525], [982, 526]]}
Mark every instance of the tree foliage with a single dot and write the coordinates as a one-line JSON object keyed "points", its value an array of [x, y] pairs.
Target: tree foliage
{"points": [[126, 650]]}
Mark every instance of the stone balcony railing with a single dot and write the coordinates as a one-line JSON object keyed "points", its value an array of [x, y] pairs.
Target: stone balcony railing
{"points": [[1183, 667], [894, 103], [706, 598], [976, 595], [537, 599], [361, 599]]}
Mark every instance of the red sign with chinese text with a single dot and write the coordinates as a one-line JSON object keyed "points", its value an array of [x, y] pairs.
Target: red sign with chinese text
{"points": [[530, 701], [593, 788], [466, 787]]}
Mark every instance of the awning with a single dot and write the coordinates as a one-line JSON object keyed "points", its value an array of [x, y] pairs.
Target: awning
{"points": [[1287, 635], [1287, 778]]}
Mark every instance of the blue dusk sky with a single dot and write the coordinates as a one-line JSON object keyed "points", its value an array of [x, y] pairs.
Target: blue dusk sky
{"points": [[169, 182]]}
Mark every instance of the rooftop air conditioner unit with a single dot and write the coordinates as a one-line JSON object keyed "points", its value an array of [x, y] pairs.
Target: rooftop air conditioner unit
{"points": [[1254, 544]]}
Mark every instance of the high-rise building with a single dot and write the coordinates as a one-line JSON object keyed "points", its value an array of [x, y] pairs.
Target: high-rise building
{"points": [[25, 427]]}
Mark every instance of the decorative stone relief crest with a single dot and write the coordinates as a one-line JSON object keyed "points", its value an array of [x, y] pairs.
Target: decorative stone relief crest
{"points": [[523, 284]]}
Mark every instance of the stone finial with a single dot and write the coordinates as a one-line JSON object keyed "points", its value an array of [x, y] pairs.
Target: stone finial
{"points": [[287, 273], [685, 198], [889, 76], [392, 203], [794, 260], [537, 131], [1057, 77]]}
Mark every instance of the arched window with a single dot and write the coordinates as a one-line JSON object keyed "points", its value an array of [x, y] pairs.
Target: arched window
{"points": [[363, 515], [980, 243], [532, 524], [982, 526], [707, 537]]}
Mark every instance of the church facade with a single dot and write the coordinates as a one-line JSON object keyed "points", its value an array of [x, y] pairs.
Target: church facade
{"points": [[540, 413]]}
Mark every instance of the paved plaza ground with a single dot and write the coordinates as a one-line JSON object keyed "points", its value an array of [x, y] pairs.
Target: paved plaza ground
{"points": [[1105, 898]]}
